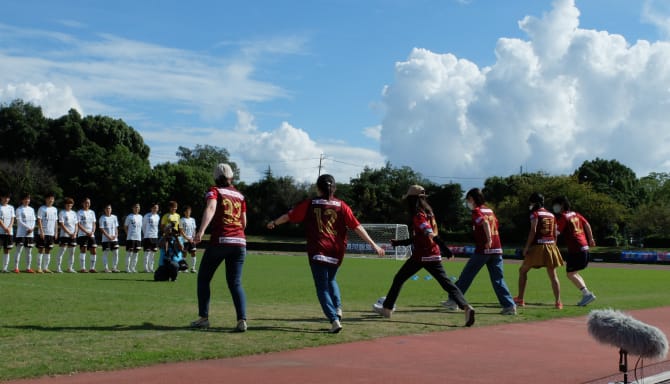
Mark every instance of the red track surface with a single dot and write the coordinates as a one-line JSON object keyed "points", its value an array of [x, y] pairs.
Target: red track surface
{"points": [[554, 351]]}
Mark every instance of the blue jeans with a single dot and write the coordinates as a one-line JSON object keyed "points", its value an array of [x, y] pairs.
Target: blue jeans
{"points": [[494, 263], [212, 258], [327, 290]]}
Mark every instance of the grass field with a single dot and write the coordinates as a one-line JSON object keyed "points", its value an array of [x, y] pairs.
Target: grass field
{"points": [[67, 323]]}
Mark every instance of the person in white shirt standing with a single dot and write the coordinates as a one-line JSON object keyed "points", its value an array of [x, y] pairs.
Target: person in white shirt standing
{"points": [[7, 217], [133, 227], [187, 228], [25, 233], [86, 235], [150, 232], [47, 220], [67, 222], [109, 227]]}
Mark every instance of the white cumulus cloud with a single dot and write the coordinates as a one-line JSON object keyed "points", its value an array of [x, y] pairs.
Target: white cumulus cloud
{"points": [[562, 96]]}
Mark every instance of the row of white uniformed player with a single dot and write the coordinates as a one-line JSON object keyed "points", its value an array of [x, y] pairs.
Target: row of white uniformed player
{"points": [[78, 228]]}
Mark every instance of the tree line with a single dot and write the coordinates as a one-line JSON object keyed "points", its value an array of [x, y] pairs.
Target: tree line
{"points": [[107, 160]]}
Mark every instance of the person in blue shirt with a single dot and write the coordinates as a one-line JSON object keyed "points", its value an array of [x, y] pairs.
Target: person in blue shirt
{"points": [[171, 259]]}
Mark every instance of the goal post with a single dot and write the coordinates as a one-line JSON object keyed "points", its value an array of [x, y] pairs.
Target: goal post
{"points": [[382, 234]]}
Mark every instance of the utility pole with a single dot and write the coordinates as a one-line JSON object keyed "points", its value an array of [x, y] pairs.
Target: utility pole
{"points": [[320, 160]]}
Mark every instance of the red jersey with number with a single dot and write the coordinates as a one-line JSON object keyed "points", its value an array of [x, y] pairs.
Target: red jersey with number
{"points": [[424, 249], [227, 226], [326, 222], [480, 216], [571, 225], [545, 232]]}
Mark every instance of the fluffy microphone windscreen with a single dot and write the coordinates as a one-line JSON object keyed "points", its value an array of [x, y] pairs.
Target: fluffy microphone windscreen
{"points": [[613, 327]]}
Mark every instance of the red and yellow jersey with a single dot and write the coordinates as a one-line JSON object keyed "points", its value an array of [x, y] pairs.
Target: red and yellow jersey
{"points": [[480, 216], [326, 222], [571, 225], [227, 225], [545, 231], [423, 247]]}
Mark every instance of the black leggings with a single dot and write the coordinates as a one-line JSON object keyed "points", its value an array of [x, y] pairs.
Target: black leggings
{"points": [[411, 267]]}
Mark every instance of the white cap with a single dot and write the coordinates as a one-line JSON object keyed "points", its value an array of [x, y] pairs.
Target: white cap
{"points": [[223, 169]]}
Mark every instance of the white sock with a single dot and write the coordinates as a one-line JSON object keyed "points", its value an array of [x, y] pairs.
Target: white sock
{"points": [[5, 261], [104, 259], [40, 256], [82, 259], [60, 257], [17, 256], [115, 259], [147, 256], [136, 256], [29, 257], [585, 291], [151, 261], [47, 260], [71, 252], [193, 260], [94, 258]]}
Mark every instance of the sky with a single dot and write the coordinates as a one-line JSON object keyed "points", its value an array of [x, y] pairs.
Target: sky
{"points": [[458, 90]]}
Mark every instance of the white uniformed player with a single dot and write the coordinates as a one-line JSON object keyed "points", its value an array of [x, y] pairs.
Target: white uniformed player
{"points": [[109, 227], [150, 224], [7, 216], [67, 222], [47, 220], [25, 233], [133, 227], [86, 235], [187, 229]]}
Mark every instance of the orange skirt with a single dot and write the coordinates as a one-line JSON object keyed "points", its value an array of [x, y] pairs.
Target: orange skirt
{"points": [[543, 255]]}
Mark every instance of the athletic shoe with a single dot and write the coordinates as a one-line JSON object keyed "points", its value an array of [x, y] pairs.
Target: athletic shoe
{"points": [[450, 305], [339, 313], [107, 270], [83, 270], [92, 270], [16, 270], [519, 302], [59, 270], [336, 326], [40, 271], [558, 305], [5, 271], [115, 271], [200, 323], [29, 270], [378, 308], [193, 270], [70, 270], [586, 299], [241, 325], [47, 270], [508, 311], [469, 316]]}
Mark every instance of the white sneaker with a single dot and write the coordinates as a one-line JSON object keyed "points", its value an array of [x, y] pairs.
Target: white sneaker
{"points": [[71, 270], [586, 299], [193, 270], [450, 305], [200, 323], [385, 312], [241, 325], [509, 311], [336, 326]]}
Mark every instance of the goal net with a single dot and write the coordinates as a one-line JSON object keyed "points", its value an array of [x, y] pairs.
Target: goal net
{"points": [[382, 234]]}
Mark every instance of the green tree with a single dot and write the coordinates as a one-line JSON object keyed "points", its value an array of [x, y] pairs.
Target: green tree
{"points": [[612, 178], [21, 125]]}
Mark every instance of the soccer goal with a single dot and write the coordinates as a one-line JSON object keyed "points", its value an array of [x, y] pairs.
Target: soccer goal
{"points": [[382, 234]]}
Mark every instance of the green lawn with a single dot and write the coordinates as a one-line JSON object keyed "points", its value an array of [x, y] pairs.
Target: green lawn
{"points": [[65, 323]]}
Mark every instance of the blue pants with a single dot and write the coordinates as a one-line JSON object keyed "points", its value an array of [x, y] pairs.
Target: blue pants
{"points": [[494, 263], [327, 290], [211, 259]]}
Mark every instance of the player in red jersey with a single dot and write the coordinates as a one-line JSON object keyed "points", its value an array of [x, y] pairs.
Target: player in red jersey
{"points": [[326, 221], [226, 210], [576, 231], [540, 250], [427, 251]]}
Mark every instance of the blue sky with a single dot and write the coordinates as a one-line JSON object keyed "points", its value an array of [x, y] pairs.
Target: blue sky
{"points": [[457, 90]]}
